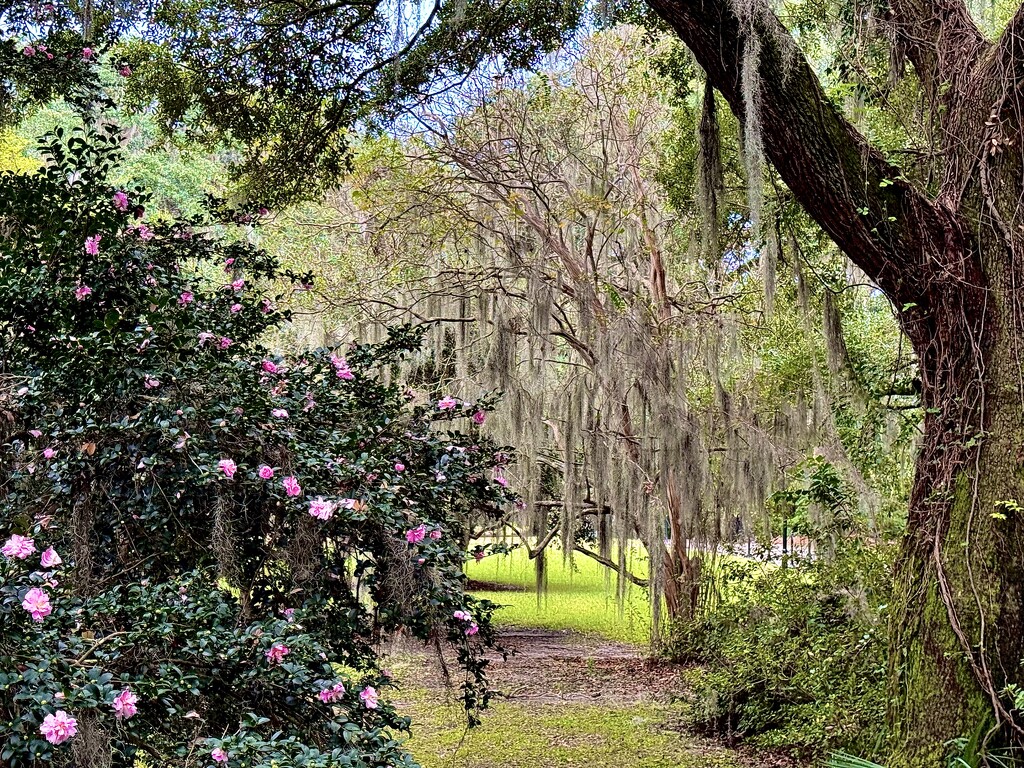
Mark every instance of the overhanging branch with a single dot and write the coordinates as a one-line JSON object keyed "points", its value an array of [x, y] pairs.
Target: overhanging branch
{"points": [[887, 227]]}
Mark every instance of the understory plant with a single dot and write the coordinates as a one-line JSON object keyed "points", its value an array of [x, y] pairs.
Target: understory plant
{"points": [[796, 658], [204, 541]]}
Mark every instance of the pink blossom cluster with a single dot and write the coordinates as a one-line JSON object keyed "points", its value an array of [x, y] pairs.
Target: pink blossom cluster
{"points": [[331, 693], [32, 50], [341, 368], [419, 533], [125, 704], [37, 603], [369, 696], [321, 509], [58, 727], [277, 653], [18, 547], [472, 629], [291, 486]]}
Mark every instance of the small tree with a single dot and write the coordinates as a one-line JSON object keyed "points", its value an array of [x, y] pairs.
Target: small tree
{"points": [[205, 540]]}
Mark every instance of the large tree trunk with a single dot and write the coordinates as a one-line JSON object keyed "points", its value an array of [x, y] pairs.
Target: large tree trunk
{"points": [[958, 603], [949, 256]]}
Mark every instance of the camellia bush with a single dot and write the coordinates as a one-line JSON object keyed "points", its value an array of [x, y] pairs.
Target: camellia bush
{"points": [[204, 542]]}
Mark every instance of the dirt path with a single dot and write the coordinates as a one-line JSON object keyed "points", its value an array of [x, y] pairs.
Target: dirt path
{"points": [[563, 700]]}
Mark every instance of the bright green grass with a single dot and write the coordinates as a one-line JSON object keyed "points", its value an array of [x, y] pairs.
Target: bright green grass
{"points": [[558, 736], [580, 595]]}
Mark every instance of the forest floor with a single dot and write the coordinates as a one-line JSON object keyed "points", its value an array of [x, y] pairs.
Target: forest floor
{"points": [[565, 700]]}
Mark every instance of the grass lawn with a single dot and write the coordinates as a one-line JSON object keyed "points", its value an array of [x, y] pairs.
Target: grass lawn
{"points": [[580, 595], [557, 736]]}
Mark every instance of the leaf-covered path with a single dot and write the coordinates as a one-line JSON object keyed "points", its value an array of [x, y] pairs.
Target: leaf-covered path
{"points": [[564, 701]]}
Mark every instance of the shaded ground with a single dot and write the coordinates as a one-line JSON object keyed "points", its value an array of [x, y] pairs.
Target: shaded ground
{"points": [[564, 700]]}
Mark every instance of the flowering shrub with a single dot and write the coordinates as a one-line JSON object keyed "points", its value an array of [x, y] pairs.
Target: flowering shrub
{"points": [[203, 540]]}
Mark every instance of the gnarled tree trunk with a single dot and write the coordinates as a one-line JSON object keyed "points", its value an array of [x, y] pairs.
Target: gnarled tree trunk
{"points": [[950, 259]]}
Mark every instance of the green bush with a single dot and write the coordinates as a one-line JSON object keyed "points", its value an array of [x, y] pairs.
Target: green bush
{"points": [[206, 541], [796, 658]]}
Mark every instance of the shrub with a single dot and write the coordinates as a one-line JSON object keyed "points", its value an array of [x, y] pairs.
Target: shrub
{"points": [[205, 540], [797, 657]]}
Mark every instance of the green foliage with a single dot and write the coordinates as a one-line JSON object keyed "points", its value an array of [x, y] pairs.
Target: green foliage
{"points": [[797, 657], [232, 523], [815, 486]]}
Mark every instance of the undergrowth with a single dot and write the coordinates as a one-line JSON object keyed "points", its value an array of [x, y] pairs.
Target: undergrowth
{"points": [[797, 659]]}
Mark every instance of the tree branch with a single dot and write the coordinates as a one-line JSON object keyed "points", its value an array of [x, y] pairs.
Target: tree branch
{"points": [[886, 226], [1009, 60], [941, 40], [613, 566]]}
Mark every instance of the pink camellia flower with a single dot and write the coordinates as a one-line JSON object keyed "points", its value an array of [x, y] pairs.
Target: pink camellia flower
{"points": [[92, 244], [205, 336], [266, 472], [49, 453], [219, 755], [236, 308], [225, 342], [472, 629], [399, 467], [435, 534], [321, 509], [86, 54], [82, 291], [35, 433], [279, 413], [446, 403], [125, 71], [125, 704], [369, 697], [462, 616], [277, 652], [291, 486], [28, 50], [266, 306], [333, 693], [37, 603], [58, 727], [150, 383], [417, 534], [479, 417], [270, 367], [478, 556], [50, 558], [121, 201], [288, 613], [186, 298], [145, 233], [499, 477], [341, 368], [263, 211], [228, 467], [237, 285], [19, 547]]}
